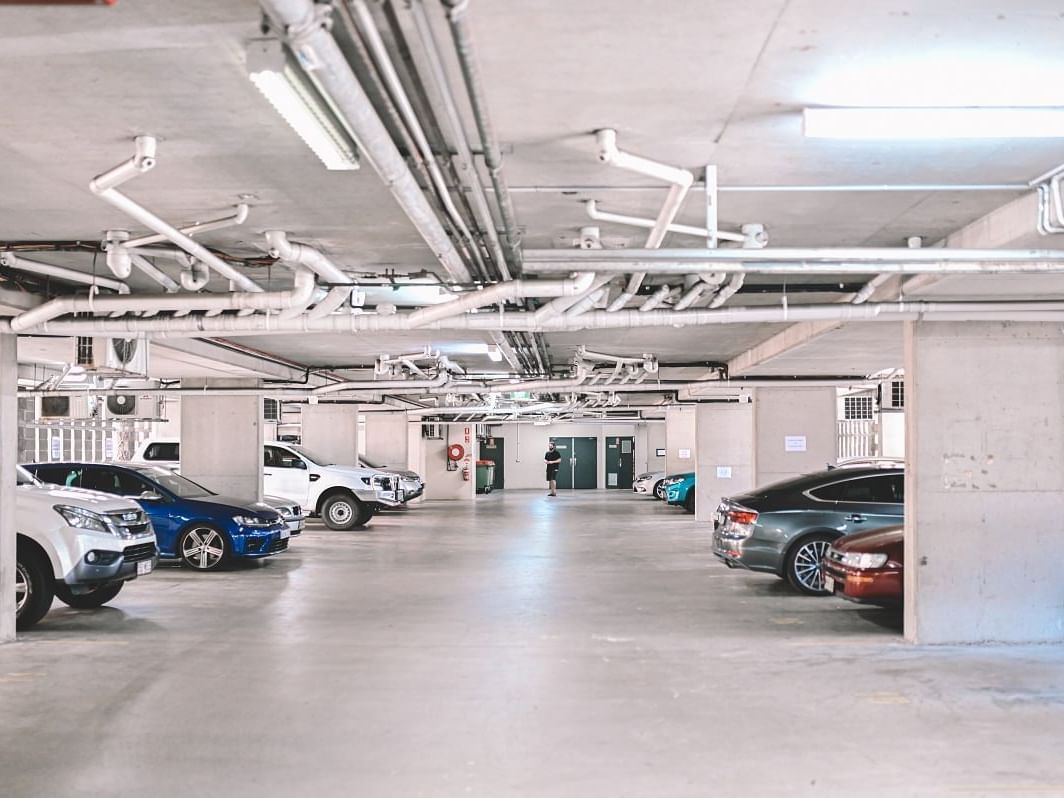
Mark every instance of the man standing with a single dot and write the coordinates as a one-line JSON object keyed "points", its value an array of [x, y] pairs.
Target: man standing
{"points": [[553, 459]]}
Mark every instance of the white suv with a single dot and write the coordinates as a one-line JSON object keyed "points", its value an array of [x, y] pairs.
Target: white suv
{"points": [[79, 545], [344, 496]]}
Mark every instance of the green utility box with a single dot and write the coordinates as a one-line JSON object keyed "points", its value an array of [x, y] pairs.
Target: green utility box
{"points": [[485, 475]]}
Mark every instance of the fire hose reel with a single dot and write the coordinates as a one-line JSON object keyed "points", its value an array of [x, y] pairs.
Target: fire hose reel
{"points": [[455, 452]]}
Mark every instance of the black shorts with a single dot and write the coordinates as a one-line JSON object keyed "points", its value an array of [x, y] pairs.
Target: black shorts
{"points": [[552, 471]]}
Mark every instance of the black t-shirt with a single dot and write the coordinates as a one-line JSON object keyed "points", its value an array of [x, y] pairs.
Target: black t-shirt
{"points": [[552, 457]]}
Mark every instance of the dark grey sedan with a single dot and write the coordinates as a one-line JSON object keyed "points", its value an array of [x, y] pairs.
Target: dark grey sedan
{"points": [[786, 528]]}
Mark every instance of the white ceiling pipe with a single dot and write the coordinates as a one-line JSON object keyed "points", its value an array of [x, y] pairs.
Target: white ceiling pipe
{"points": [[10, 260], [690, 296], [196, 276], [638, 221], [585, 304], [237, 218], [149, 269], [143, 160], [536, 386], [814, 260], [368, 28], [869, 288], [728, 291], [384, 385], [564, 304], [310, 39], [317, 262], [502, 292], [656, 299], [298, 296]]}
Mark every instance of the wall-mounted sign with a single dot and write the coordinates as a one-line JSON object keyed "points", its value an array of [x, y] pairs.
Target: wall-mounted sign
{"points": [[684, 454], [57, 447], [659, 452], [794, 443], [723, 472]]}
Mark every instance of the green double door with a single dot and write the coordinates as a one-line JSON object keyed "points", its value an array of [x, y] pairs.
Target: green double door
{"points": [[579, 467]]}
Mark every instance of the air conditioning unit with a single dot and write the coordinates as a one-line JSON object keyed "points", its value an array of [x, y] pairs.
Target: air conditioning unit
{"points": [[432, 432], [271, 409], [132, 406], [58, 408], [122, 404], [121, 356], [892, 395]]}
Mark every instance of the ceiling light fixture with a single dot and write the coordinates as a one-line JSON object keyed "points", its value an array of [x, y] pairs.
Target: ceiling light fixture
{"points": [[933, 123], [494, 354], [300, 105]]}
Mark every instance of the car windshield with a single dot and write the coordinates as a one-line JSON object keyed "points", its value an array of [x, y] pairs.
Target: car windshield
{"points": [[180, 486], [25, 477], [304, 452]]}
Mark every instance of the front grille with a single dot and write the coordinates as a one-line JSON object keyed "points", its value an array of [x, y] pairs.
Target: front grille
{"points": [[142, 551], [834, 555], [281, 544], [130, 522]]}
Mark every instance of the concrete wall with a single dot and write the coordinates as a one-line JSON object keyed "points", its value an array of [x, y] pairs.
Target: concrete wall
{"points": [[680, 438], [387, 440], [794, 413], [221, 442], [655, 439], [439, 482], [725, 461], [985, 482], [331, 431]]}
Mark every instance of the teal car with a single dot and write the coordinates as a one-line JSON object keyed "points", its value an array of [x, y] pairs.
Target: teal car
{"points": [[680, 489]]}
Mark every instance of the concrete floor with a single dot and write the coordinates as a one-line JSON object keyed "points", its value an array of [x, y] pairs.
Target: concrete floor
{"points": [[587, 645]]}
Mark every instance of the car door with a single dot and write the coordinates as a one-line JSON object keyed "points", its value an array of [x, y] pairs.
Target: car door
{"points": [[285, 474], [866, 502], [130, 485]]}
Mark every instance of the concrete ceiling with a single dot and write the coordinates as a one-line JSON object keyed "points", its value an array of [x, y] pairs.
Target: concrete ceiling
{"points": [[691, 83]]}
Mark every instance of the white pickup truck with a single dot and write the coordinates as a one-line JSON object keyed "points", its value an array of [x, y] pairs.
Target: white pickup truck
{"points": [[344, 496], [78, 545]]}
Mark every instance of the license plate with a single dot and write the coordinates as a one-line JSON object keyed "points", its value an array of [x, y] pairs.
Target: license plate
{"points": [[829, 584], [400, 494], [285, 533], [144, 567]]}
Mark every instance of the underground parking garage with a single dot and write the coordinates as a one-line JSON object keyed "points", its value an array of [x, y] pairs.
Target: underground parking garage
{"points": [[464, 398]]}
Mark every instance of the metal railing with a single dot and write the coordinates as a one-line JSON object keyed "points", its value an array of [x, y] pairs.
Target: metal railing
{"points": [[857, 438]]}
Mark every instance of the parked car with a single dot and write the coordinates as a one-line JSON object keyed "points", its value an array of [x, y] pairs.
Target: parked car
{"points": [[649, 484], [786, 528], [680, 489], [194, 525], [344, 496], [410, 481], [79, 546], [868, 567]]}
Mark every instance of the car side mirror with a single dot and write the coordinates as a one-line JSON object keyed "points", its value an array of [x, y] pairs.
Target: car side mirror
{"points": [[150, 496]]}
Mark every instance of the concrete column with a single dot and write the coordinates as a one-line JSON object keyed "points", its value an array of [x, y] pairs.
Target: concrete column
{"points": [[8, 453], [221, 438], [725, 454], [984, 483], [680, 454], [331, 430], [387, 438], [795, 432]]}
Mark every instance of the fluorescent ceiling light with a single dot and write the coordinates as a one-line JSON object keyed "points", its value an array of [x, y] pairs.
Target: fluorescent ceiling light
{"points": [[933, 123], [279, 80]]}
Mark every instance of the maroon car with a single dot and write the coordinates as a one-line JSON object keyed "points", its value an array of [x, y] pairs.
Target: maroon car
{"points": [[867, 567]]}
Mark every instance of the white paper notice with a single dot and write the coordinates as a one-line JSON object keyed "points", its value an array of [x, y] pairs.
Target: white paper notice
{"points": [[794, 443], [685, 454], [723, 472]]}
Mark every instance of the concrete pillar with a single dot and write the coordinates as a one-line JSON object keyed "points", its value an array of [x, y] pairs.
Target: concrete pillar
{"points": [[387, 439], [984, 482], [331, 430], [725, 454], [221, 438], [680, 439], [8, 453], [795, 431]]}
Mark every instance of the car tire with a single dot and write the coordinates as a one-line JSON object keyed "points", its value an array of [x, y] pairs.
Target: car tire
{"points": [[95, 598], [344, 511], [689, 502], [34, 588], [659, 490], [802, 566], [203, 547]]}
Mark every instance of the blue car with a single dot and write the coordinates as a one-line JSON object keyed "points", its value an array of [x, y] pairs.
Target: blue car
{"points": [[199, 528], [680, 489]]}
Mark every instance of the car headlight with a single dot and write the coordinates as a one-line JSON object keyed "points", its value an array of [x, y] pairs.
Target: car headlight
{"points": [[84, 519], [672, 481], [859, 560], [254, 523]]}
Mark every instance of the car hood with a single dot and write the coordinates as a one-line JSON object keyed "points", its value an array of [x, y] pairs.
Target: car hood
{"points": [[230, 505], [354, 471], [889, 541], [78, 497]]}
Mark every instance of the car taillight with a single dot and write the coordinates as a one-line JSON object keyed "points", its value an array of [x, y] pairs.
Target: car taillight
{"points": [[739, 523], [742, 516]]}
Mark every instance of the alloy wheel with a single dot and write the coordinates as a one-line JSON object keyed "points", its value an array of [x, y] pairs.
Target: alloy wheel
{"points": [[807, 568], [202, 548], [23, 588]]}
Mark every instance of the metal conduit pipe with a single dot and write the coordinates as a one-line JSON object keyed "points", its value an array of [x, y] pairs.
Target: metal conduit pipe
{"points": [[691, 295], [463, 160], [237, 218], [538, 386], [869, 288], [307, 35], [656, 298], [143, 160], [368, 28], [149, 269], [384, 385], [584, 304], [10, 260], [593, 212], [317, 262], [501, 292], [196, 276], [298, 296], [467, 61]]}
